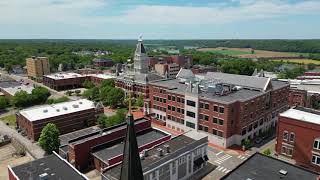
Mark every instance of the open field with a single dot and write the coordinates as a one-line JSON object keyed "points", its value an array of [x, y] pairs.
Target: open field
{"points": [[11, 119], [246, 53], [302, 61]]}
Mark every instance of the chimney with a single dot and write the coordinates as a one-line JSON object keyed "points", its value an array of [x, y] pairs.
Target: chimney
{"points": [[160, 152], [167, 148]]}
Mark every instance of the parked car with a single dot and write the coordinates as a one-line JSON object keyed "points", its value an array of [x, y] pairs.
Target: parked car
{"points": [[258, 140]]}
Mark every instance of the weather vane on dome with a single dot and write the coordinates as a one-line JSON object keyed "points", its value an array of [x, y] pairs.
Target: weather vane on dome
{"points": [[140, 38]]}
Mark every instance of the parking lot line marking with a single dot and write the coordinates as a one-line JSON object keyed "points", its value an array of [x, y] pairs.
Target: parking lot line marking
{"points": [[219, 153]]}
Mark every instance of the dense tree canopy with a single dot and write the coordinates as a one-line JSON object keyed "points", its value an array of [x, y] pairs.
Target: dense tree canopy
{"points": [[49, 138], [104, 121]]}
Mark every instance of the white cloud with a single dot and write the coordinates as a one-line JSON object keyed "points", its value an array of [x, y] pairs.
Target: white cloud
{"points": [[76, 12]]}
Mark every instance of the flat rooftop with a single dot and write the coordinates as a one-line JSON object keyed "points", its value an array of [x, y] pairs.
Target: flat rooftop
{"points": [[303, 114], [102, 76], [55, 167], [178, 145], [14, 89], [8, 83], [58, 76], [48, 111], [115, 148], [261, 167], [80, 136]]}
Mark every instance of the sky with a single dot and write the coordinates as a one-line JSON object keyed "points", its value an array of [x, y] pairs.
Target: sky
{"points": [[160, 19]]}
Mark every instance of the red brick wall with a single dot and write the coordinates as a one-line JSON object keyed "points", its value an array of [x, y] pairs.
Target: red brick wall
{"points": [[297, 98], [305, 134], [82, 150], [11, 175]]}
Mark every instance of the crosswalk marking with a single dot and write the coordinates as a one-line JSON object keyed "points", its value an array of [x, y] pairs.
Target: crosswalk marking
{"points": [[223, 158], [243, 157], [223, 169]]}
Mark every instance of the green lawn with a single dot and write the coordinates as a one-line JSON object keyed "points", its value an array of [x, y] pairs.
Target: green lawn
{"points": [[11, 119]]}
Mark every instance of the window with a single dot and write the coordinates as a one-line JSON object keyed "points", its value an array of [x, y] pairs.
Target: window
{"points": [[244, 131], [250, 128], [206, 117], [191, 114], [220, 122], [182, 111], [191, 103], [215, 120], [164, 100], [285, 135], [200, 127], [217, 132], [190, 124], [169, 97], [255, 125], [182, 100], [206, 106], [260, 122], [178, 110], [292, 137], [205, 128], [173, 98], [316, 144], [215, 108], [169, 117], [201, 105], [169, 107], [200, 116], [178, 99], [173, 108], [221, 110], [315, 159]]}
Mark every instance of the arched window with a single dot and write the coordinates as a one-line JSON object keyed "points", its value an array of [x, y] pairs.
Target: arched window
{"points": [[285, 135]]}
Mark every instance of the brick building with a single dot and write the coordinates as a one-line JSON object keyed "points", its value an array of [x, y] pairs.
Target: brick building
{"points": [[102, 62], [67, 116], [98, 78], [167, 70], [137, 76], [64, 81], [297, 97], [179, 158], [49, 167], [37, 67], [79, 147], [298, 137], [228, 108]]}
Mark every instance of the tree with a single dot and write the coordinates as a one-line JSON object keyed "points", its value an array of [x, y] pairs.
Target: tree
{"points": [[139, 101], [267, 152], [40, 94], [91, 94], [58, 100], [88, 84], [107, 83], [21, 99], [114, 97], [49, 138], [102, 120], [3, 102], [311, 66]]}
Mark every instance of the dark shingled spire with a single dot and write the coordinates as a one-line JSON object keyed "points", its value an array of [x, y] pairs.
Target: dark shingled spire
{"points": [[131, 165]]}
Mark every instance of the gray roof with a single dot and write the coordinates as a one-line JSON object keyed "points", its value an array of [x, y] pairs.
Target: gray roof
{"points": [[54, 166], [261, 167], [185, 73], [140, 48], [9, 83], [178, 146], [239, 80], [115, 148]]}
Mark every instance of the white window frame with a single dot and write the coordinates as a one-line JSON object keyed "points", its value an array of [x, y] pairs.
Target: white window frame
{"points": [[294, 136], [318, 142], [283, 136], [316, 158]]}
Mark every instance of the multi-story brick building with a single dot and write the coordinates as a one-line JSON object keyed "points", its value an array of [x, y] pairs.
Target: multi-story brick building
{"points": [[99, 148], [137, 78], [37, 67], [177, 159], [64, 81], [98, 78], [228, 108], [102, 62], [167, 70], [67, 116], [298, 137]]}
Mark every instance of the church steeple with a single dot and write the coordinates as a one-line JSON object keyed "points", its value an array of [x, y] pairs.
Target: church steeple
{"points": [[131, 168], [141, 60]]}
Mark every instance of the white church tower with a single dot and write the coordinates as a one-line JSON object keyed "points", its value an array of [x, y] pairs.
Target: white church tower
{"points": [[140, 60]]}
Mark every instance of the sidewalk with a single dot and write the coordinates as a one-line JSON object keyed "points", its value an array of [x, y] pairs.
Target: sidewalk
{"points": [[34, 150]]}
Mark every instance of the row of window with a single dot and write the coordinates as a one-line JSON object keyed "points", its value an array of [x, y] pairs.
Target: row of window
{"points": [[287, 151], [217, 132], [174, 98], [252, 126], [191, 114], [175, 119], [159, 99], [190, 125], [203, 128], [173, 108], [315, 159], [286, 136], [216, 108], [159, 108]]}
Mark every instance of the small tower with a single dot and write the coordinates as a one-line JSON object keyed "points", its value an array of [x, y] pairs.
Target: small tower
{"points": [[131, 168], [141, 60]]}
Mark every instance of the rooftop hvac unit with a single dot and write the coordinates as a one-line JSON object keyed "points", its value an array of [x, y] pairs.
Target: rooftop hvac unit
{"points": [[45, 110], [75, 105], [65, 108]]}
